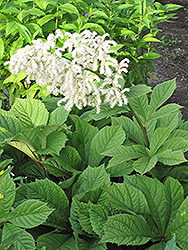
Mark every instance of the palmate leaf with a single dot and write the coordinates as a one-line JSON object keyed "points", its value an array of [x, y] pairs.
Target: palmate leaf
{"points": [[127, 198], [21, 239], [106, 139], [126, 229], [131, 129], [91, 178], [49, 192], [31, 112], [7, 189], [160, 94], [145, 164], [30, 213], [56, 241]]}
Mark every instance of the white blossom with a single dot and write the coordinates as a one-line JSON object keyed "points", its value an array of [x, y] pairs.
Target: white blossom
{"points": [[76, 79]]}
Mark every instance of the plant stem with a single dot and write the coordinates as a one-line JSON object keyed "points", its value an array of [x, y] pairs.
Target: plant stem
{"points": [[140, 124]]}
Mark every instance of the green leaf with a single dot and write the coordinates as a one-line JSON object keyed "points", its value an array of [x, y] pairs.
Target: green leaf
{"points": [[145, 164], [160, 94], [171, 244], [9, 122], [68, 182], [150, 55], [177, 143], [58, 116], [23, 148], [1, 48], [158, 138], [125, 197], [131, 129], [91, 178], [107, 111], [105, 139], [179, 133], [31, 112], [49, 192], [174, 195], [138, 90], [69, 159], [125, 229], [56, 241], [84, 217], [24, 32], [171, 120], [99, 214], [90, 244], [94, 27], [7, 192], [30, 213], [84, 134], [21, 239], [55, 141], [45, 19], [69, 8], [140, 106], [53, 167], [116, 169], [33, 12], [165, 110], [16, 45], [10, 28], [169, 157]]}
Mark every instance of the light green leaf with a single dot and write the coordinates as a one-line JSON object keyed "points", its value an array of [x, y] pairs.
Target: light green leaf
{"points": [[179, 133], [174, 195], [169, 157], [131, 129], [160, 94], [105, 139], [1, 48], [171, 244], [9, 122], [138, 90], [176, 143], [24, 32], [91, 178], [94, 27], [55, 141], [150, 55], [145, 164], [158, 138], [24, 148], [140, 106], [49, 192], [125, 197], [116, 169], [30, 213], [171, 120], [31, 112], [10, 28], [56, 241], [58, 116], [125, 229], [21, 239], [16, 45], [165, 110], [69, 8], [7, 192], [45, 19], [33, 12]]}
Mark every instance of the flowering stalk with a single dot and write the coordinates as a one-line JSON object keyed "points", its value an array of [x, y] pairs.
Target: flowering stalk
{"points": [[78, 78]]}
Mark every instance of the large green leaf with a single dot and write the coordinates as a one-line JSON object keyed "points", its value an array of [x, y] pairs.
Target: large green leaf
{"points": [[53, 167], [69, 8], [126, 229], [169, 157], [7, 192], [84, 218], [160, 94], [99, 214], [177, 143], [2, 48], [84, 134], [171, 120], [106, 139], [159, 137], [9, 122], [58, 116], [91, 178], [179, 133], [138, 90], [55, 141], [49, 192], [56, 241], [131, 129], [21, 239], [16, 45], [140, 106], [180, 224], [116, 169], [127, 198], [174, 195], [30, 213], [145, 164], [69, 159], [31, 112]]}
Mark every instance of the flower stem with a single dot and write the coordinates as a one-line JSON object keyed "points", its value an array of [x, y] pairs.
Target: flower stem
{"points": [[140, 124]]}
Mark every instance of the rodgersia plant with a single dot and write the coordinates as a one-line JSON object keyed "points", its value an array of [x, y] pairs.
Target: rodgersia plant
{"points": [[81, 69]]}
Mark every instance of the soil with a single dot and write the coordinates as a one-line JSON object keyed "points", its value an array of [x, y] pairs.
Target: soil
{"points": [[174, 51]]}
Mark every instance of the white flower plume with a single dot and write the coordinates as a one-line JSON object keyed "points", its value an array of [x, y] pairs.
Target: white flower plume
{"points": [[76, 79]]}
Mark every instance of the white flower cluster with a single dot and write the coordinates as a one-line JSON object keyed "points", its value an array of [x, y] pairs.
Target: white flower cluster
{"points": [[76, 79]]}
